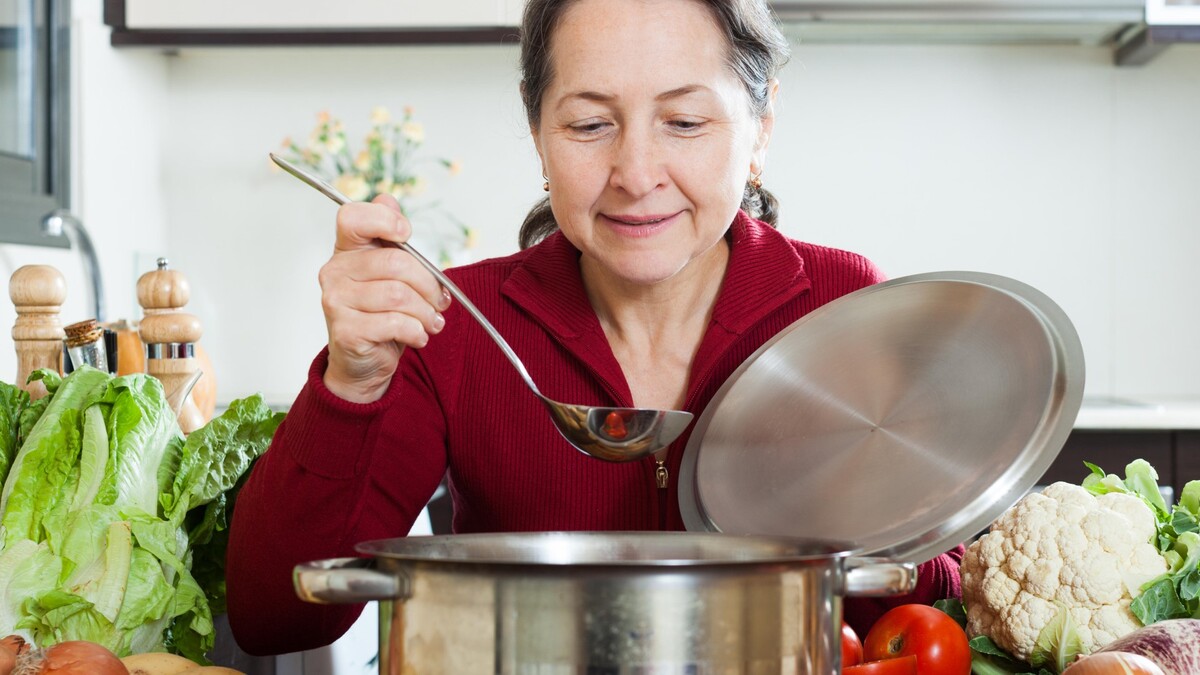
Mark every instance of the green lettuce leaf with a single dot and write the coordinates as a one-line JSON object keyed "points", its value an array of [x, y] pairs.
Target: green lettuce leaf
{"points": [[13, 401], [217, 455], [16, 584], [50, 436], [141, 428], [33, 412]]}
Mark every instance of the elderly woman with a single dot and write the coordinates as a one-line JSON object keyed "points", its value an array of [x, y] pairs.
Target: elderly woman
{"points": [[650, 272]]}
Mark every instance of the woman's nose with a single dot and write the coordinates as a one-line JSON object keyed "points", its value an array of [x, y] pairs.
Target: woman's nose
{"points": [[637, 167]]}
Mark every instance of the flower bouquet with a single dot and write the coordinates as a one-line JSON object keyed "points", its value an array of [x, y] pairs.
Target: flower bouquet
{"points": [[387, 163]]}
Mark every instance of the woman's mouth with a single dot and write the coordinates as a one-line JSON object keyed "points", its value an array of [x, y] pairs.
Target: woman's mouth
{"points": [[639, 224]]}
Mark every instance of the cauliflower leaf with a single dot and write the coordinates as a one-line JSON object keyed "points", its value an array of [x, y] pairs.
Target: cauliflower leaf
{"points": [[1059, 642]]}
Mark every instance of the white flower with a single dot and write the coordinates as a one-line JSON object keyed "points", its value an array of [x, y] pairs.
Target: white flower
{"points": [[335, 143], [380, 115], [454, 167], [353, 186], [413, 131], [417, 186], [385, 186], [363, 161]]}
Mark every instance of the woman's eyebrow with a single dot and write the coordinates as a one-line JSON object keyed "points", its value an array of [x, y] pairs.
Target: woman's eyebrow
{"points": [[600, 97], [682, 91]]}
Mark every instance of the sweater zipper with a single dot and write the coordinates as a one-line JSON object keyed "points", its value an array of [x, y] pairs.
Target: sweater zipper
{"points": [[661, 476]]}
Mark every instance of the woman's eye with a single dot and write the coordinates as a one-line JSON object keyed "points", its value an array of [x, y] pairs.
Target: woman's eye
{"points": [[589, 127], [686, 125]]}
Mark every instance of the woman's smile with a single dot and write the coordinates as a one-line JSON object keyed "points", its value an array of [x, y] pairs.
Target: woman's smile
{"points": [[630, 225]]}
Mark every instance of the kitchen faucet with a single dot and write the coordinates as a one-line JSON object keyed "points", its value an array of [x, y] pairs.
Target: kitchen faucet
{"points": [[61, 221]]}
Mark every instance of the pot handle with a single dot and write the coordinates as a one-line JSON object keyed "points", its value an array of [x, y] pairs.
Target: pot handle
{"points": [[347, 581], [879, 577]]}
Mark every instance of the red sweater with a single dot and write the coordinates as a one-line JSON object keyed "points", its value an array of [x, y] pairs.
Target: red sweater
{"points": [[339, 473]]}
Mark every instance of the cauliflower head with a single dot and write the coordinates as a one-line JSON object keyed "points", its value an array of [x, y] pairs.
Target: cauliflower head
{"points": [[1060, 549]]}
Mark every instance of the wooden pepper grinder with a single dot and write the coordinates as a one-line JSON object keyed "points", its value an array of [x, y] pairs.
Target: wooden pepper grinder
{"points": [[38, 292], [170, 336]]}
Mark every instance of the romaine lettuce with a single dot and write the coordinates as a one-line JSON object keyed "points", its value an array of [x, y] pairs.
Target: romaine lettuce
{"points": [[106, 511]]}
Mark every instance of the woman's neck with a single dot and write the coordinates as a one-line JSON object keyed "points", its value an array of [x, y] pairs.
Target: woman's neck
{"points": [[655, 331], [646, 314]]}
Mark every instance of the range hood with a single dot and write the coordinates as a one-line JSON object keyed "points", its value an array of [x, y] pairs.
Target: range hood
{"points": [[1137, 29]]}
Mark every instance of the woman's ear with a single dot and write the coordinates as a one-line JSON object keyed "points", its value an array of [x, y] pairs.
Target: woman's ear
{"points": [[766, 125]]}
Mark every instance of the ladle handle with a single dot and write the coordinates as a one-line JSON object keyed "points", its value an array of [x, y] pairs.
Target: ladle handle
{"points": [[333, 193]]}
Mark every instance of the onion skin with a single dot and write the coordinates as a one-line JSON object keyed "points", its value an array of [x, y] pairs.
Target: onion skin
{"points": [[74, 657], [11, 647], [1114, 663], [1173, 644], [15, 644]]}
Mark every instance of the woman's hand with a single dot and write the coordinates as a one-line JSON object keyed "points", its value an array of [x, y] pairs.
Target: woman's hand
{"points": [[377, 300]]}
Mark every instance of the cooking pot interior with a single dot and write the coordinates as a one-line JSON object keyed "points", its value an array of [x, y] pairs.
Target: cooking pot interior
{"points": [[605, 548]]}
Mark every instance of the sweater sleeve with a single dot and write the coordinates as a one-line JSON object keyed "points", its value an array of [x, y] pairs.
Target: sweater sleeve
{"points": [[936, 579], [337, 473]]}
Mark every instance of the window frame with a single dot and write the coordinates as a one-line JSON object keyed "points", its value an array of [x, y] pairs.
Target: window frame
{"points": [[32, 187]]}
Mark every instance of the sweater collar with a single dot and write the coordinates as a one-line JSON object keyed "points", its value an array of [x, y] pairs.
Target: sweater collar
{"points": [[765, 270]]}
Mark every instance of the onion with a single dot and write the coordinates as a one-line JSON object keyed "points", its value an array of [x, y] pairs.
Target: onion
{"points": [[1173, 644], [11, 647], [1114, 663], [75, 657], [15, 644]]}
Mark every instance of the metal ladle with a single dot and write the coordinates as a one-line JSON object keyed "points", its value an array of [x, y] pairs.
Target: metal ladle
{"points": [[611, 434]]}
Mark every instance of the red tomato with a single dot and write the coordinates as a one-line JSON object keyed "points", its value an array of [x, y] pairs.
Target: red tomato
{"points": [[929, 634], [852, 649], [904, 665]]}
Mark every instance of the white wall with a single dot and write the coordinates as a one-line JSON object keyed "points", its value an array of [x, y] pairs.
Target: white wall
{"points": [[1047, 164]]}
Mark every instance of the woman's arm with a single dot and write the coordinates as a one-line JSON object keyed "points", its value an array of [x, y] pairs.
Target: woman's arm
{"points": [[337, 474], [936, 579]]}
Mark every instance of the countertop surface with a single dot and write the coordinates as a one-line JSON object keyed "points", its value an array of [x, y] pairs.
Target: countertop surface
{"points": [[1116, 413]]}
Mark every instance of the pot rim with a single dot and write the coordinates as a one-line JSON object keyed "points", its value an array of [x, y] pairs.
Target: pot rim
{"points": [[607, 549]]}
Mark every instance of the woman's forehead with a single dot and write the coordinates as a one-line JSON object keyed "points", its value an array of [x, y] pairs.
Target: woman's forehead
{"points": [[660, 44]]}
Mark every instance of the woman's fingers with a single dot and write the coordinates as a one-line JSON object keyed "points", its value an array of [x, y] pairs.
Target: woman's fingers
{"points": [[377, 299], [384, 296], [358, 334], [385, 264], [366, 225]]}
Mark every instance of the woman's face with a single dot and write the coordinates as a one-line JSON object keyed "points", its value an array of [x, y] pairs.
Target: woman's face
{"points": [[646, 136]]}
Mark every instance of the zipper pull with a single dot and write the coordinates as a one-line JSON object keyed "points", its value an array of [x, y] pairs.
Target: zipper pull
{"points": [[660, 474]]}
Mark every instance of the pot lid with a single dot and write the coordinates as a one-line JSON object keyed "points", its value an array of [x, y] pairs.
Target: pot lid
{"points": [[902, 418]]}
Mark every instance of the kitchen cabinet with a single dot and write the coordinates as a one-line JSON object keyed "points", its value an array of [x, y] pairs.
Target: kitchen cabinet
{"points": [[310, 22], [1119, 23], [1187, 456], [310, 14], [1175, 454]]}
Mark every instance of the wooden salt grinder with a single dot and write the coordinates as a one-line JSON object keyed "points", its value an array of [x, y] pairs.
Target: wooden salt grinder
{"points": [[37, 292], [170, 336]]}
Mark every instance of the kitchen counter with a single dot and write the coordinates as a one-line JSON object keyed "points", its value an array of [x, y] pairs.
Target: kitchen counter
{"points": [[1106, 412]]}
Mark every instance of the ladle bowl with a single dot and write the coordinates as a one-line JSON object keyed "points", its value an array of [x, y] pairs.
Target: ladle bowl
{"points": [[607, 433]]}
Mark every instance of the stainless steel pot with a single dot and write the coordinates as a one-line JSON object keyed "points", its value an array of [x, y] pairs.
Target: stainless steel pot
{"points": [[605, 603]]}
